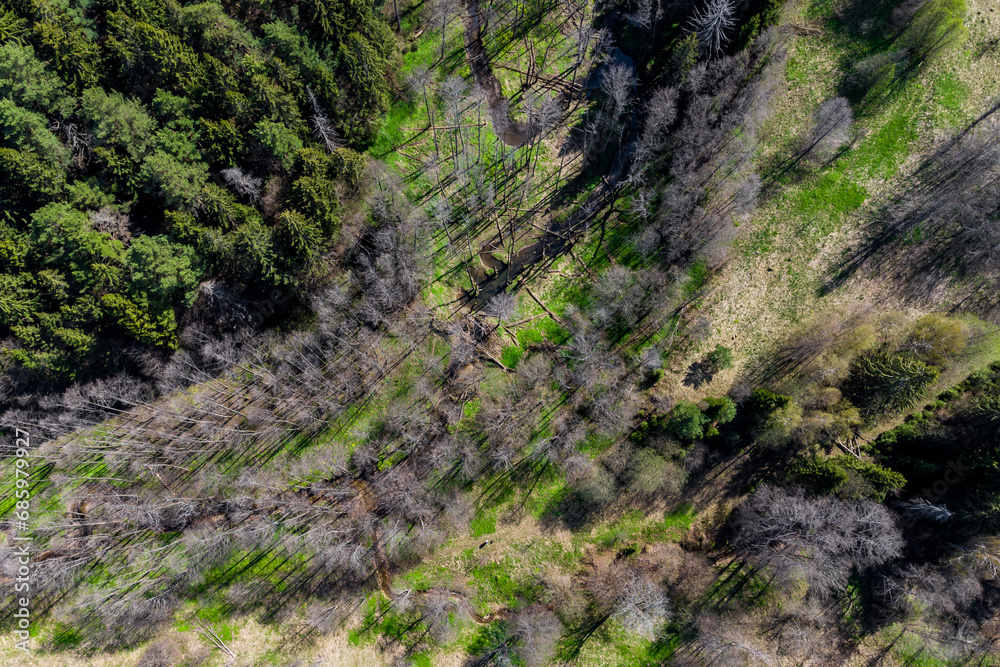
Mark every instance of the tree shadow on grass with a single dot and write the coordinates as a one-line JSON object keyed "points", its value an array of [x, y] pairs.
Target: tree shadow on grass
{"points": [[698, 373], [569, 510], [934, 238]]}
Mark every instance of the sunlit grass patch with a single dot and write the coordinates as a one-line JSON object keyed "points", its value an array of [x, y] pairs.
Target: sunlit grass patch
{"points": [[833, 191]]}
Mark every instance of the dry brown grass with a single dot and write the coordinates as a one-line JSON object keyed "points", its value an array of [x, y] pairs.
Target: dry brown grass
{"points": [[250, 645], [752, 298]]}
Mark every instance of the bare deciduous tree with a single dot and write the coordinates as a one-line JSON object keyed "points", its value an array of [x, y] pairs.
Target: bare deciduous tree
{"points": [[921, 509], [537, 630], [642, 606], [443, 12], [821, 539], [832, 130], [243, 183], [711, 23], [723, 642], [646, 14], [501, 306], [439, 611], [661, 112], [115, 224], [618, 83], [323, 128]]}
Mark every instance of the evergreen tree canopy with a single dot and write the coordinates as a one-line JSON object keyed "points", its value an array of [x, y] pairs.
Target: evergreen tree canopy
{"points": [[145, 146]]}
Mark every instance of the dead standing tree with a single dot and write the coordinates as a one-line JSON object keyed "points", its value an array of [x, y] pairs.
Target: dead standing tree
{"points": [[821, 540], [711, 23]]}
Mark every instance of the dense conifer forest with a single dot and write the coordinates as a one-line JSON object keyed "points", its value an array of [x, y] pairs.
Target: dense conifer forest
{"points": [[499, 332]]}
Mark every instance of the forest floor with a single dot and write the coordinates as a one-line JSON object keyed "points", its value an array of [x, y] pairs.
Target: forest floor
{"points": [[773, 283], [770, 287]]}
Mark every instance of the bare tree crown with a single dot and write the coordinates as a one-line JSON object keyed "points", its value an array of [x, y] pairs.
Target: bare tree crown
{"points": [[711, 22]]}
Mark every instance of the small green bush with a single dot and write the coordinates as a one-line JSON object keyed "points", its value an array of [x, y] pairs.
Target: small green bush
{"points": [[881, 480], [511, 356], [846, 477], [948, 395], [818, 475], [882, 381], [720, 410], [763, 402], [719, 359], [936, 339], [901, 435], [698, 275], [687, 421]]}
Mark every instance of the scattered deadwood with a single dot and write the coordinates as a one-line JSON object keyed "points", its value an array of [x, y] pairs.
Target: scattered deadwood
{"points": [[554, 317], [805, 29], [213, 637]]}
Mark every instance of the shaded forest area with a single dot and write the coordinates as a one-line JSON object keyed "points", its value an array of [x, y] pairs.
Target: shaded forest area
{"points": [[398, 323]]}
